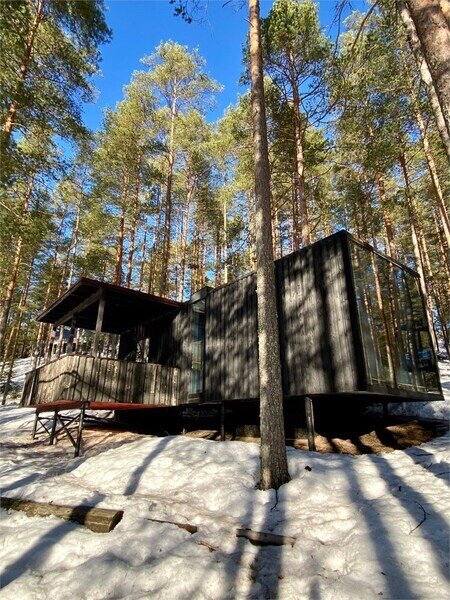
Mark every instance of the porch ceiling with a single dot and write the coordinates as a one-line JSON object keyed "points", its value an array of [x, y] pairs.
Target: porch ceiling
{"points": [[124, 308]]}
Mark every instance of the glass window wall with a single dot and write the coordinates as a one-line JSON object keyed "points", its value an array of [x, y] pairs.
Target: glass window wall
{"points": [[394, 329], [198, 348]]}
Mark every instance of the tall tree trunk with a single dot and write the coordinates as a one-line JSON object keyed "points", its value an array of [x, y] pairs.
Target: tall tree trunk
{"points": [[45, 331], [10, 288], [386, 216], [120, 243], [143, 255], [225, 240], [183, 242], [383, 313], [434, 35], [300, 184], [9, 123], [134, 223], [7, 301], [164, 275], [15, 329], [432, 167], [251, 232], [155, 249], [443, 250], [438, 193], [75, 232], [274, 469], [14, 337], [424, 285], [218, 258], [418, 51]]}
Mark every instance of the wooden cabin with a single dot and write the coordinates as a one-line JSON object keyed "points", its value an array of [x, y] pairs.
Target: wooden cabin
{"points": [[352, 322]]}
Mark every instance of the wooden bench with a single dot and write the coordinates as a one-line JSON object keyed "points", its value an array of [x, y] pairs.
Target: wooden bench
{"points": [[59, 422]]}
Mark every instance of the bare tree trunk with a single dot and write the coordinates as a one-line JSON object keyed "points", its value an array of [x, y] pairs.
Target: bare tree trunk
{"points": [[417, 250], [42, 335], [119, 255], [218, 257], [301, 199], [164, 275], [134, 223], [7, 302], [195, 262], [251, 232], [75, 232], [225, 240], [434, 35], [9, 123], [155, 249], [418, 51], [16, 331], [143, 255], [439, 194], [432, 167], [443, 250], [183, 242], [387, 218], [296, 227], [383, 313], [274, 469], [7, 299]]}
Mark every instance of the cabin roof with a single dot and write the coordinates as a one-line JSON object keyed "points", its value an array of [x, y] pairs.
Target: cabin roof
{"points": [[124, 308]]}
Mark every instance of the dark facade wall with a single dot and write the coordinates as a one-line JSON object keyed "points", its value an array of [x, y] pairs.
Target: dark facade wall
{"points": [[316, 336], [231, 348], [170, 344]]}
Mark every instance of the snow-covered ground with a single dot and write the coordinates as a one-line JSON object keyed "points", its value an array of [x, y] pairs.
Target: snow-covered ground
{"points": [[367, 526]]}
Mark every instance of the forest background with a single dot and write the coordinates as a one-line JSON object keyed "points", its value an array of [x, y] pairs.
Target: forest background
{"points": [[160, 197]]}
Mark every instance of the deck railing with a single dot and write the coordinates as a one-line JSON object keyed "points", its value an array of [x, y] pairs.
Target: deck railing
{"points": [[74, 377]]}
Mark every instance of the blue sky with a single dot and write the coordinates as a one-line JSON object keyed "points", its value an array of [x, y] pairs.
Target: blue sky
{"points": [[140, 25]]}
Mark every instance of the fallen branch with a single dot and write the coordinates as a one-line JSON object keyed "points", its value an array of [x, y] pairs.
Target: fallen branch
{"points": [[186, 526], [100, 520], [261, 538], [210, 548], [424, 518]]}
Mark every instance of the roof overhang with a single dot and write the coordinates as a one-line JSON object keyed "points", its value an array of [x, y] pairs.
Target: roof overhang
{"points": [[124, 308]]}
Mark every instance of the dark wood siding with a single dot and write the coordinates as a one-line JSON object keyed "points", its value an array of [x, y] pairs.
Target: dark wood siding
{"points": [[231, 350], [316, 336], [170, 344]]}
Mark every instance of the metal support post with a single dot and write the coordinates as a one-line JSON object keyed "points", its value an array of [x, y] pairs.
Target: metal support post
{"points": [[222, 422], [33, 435], [309, 410], [52, 434], [80, 429]]}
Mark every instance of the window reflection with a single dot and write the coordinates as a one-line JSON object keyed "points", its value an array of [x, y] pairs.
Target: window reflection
{"points": [[198, 345], [395, 335]]}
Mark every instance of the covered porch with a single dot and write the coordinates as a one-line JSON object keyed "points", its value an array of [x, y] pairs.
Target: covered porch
{"points": [[98, 352]]}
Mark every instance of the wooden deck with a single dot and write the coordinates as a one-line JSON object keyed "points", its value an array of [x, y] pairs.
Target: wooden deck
{"points": [[93, 379]]}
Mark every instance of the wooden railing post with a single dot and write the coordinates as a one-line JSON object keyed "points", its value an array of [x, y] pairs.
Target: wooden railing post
{"points": [[98, 325], [69, 349], [60, 340]]}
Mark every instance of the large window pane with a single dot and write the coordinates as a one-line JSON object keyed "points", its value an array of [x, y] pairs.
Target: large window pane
{"points": [[198, 347], [396, 340]]}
